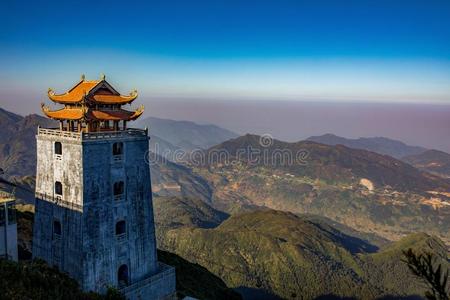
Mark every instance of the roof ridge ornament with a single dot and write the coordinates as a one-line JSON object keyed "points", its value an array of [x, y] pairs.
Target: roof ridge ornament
{"points": [[102, 76], [44, 107]]}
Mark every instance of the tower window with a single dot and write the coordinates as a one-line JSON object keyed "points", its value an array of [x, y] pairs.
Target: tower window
{"points": [[58, 148], [118, 188], [56, 227], [121, 227], [122, 275], [118, 148], [58, 188]]}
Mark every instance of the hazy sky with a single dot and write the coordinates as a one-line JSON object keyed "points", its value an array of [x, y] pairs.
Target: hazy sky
{"points": [[426, 125], [382, 51], [290, 68]]}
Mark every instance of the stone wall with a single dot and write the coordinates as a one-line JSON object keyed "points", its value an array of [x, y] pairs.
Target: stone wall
{"points": [[88, 247], [104, 251], [60, 250]]}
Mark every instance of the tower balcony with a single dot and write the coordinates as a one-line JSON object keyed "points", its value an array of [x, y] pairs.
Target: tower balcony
{"points": [[92, 136]]}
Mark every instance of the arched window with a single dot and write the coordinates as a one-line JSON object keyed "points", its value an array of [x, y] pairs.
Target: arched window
{"points": [[121, 227], [118, 188], [58, 148], [122, 275], [58, 188], [56, 227], [118, 148]]}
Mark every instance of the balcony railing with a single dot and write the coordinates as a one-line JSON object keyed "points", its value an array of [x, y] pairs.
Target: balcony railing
{"points": [[130, 132], [114, 134], [59, 133]]}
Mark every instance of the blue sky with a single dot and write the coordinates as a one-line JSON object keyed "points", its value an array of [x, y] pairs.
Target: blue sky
{"points": [[380, 51]]}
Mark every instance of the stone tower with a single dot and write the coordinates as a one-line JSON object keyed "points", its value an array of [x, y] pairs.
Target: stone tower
{"points": [[94, 214]]}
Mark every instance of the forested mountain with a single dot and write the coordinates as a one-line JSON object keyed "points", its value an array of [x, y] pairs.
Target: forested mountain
{"points": [[362, 189], [293, 257], [380, 145]]}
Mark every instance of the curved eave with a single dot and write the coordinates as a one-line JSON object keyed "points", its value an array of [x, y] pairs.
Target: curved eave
{"points": [[137, 113], [115, 115], [114, 99], [64, 98], [64, 113], [75, 94]]}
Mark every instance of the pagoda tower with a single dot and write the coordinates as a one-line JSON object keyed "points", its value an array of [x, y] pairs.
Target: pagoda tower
{"points": [[94, 212]]}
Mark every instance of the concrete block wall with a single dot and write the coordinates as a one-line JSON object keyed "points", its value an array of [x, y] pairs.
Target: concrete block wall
{"points": [[88, 247]]}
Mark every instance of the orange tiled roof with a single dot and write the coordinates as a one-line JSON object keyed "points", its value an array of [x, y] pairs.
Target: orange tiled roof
{"points": [[75, 94], [115, 99], [64, 113], [102, 115], [116, 115], [84, 88]]}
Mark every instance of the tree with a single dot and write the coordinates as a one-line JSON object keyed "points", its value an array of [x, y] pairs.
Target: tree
{"points": [[424, 266]]}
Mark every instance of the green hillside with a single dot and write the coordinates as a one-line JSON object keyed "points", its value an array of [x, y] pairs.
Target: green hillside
{"points": [[196, 281], [298, 259], [174, 212]]}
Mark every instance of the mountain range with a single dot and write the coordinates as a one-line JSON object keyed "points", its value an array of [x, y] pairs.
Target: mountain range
{"points": [[379, 145], [433, 161], [430, 160], [185, 135], [17, 142], [364, 190], [271, 225], [18, 145]]}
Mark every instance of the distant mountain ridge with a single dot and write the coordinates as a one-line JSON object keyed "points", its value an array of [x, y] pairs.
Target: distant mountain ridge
{"points": [[433, 161], [186, 135], [18, 142], [379, 145], [338, 163]]}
